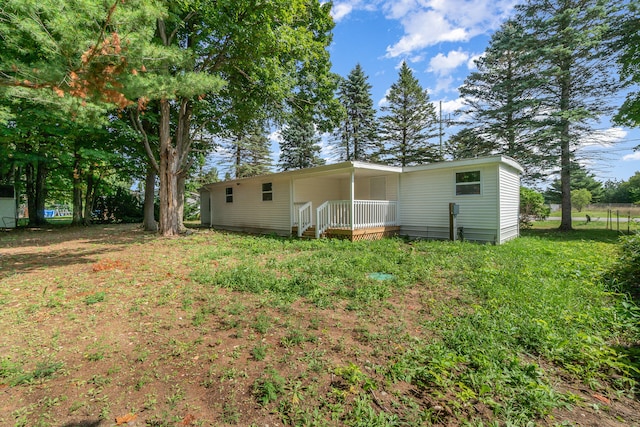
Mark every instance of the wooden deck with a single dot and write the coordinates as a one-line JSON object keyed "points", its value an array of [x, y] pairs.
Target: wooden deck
{"points": [[372, 233]]}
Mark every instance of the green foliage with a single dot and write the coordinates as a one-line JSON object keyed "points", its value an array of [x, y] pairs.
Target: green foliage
{"points": [[299, 148], [627, 44], [409, 124], [581, 178], [250, 152], [358, 128], [95, 298], [580, 198], [500, 102], [625, 274], [268, 387], [532, 207], [119, 207]]}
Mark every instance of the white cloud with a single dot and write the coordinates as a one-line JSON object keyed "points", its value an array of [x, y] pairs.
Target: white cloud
{"points": [[632, 157], [384, 101], [340, 10], [429, 22], [451, 106], [443, 84], [445, 64], [604, 138], [423, 29]]}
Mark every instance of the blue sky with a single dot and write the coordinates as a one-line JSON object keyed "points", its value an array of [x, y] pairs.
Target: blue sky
{"points": [[439, 39]]}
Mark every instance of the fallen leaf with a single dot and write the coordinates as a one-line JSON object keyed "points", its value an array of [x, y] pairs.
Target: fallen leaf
{"points": [[125, 419], [188, 420], [601, 398]]}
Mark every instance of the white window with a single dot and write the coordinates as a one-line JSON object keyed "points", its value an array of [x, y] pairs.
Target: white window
{"points": [[467, 183], [229, 194]]}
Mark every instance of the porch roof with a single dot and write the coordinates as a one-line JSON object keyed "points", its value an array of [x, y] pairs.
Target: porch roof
{"points": [[361, 169]]}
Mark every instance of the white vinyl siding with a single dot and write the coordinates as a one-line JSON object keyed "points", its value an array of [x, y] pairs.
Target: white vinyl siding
{"points": [[205, 207], [247, 212], [424, 204], [509, 203]]}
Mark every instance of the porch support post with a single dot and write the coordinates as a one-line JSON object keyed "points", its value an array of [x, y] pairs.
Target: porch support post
{"points": [[292, 201], [352, 197], [398, 198]]}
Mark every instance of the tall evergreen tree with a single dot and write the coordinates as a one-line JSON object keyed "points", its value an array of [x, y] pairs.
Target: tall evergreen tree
{"points": [[409, 124], [500, 102], [251, 152], [299, 148], [358, 127], [628, 44], [576, 79]]}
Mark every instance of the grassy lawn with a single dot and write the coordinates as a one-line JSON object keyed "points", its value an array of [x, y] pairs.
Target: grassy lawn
{"points": [[107, 325]]}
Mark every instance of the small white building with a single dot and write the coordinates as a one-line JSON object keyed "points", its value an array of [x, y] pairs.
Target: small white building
{"points": [[474, 199], [8, 212]]}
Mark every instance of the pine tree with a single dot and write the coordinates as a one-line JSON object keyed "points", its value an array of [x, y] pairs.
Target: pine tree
{"points": [[299, 148], [575, 79], [500, 102], [628, 44], [251, 152], [410, 123], [358, 128]]}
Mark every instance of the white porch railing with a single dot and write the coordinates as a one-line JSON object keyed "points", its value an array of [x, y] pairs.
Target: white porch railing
{"points": [[302, 217], [375, 213], [367, 213]]}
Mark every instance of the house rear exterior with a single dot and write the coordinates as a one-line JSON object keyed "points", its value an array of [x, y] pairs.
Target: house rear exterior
{"points": [[360, 200]]}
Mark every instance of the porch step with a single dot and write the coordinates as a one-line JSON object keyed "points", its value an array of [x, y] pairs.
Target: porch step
{"points": [[310, 233]]}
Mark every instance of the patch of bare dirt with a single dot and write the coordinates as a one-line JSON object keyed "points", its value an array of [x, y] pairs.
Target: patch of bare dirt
{"points": [[129, 339]]}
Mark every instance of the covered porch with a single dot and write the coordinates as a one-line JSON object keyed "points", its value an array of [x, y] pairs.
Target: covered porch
{"points": [[358, 202]]}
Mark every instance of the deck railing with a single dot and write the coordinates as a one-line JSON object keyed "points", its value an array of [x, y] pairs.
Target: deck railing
{"points": [[303, 217], [367, 214], [375, 213]]}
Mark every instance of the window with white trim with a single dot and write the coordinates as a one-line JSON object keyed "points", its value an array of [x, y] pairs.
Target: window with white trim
{"points": [[228, 193], [267, 191], [467, 183]]}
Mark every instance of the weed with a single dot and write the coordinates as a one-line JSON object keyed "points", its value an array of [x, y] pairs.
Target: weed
{"points": [[230, 411], [95, 298], [259, 352], [262, 323], [43, 370], [268, 387]]}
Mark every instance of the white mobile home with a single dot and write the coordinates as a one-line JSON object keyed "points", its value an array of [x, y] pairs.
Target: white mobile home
{"points": [[475, 199]]}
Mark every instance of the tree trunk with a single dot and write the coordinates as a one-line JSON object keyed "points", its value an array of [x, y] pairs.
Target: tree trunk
{"points": [[168, 224], [149, 223], [40, 192], [77, 192], [31, 194], [182, 180], [89, 198]]}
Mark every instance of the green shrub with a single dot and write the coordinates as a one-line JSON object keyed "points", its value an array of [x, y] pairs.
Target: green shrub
{"points": [[625, 276], [532, 207]]}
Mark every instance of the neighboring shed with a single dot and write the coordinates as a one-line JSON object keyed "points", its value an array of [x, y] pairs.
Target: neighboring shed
{"points": [[362, 201], [8, 212]]}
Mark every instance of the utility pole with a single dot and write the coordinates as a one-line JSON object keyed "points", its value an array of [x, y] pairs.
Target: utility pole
{"points": [[440, 128]]}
